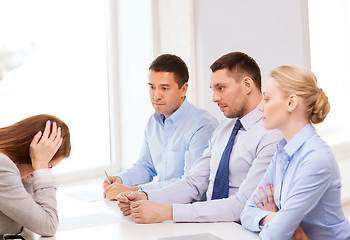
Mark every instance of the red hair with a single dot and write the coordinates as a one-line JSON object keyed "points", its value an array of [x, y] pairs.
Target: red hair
{"points": [[15, 139]]}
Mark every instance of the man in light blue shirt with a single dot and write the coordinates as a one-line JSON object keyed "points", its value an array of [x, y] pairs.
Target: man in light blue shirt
{"points": [[236, 84], [176, 134]]}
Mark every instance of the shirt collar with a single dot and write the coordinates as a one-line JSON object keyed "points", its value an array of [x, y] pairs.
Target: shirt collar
{"points": [[298, 140], [177, 116], [251, 118]]}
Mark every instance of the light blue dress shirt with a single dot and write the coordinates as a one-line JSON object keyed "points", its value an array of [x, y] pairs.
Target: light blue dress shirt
{"points": [[171, 147], [306, 182], [251, 154]]}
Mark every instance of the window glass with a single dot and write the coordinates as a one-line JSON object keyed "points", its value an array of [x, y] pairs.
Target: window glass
{"points": [[53, 60], [135, 55], [329, 25]]}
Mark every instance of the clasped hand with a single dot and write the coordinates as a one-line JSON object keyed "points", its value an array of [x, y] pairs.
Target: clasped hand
{"points": [[112, 190], [143, 210], [268, 203]]}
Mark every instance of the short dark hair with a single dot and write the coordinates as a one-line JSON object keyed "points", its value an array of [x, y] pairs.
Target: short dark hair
{"points": [[241, 63], [171, 63]]}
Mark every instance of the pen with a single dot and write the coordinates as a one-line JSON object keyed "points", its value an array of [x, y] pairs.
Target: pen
{"points": [[109, 180], [125, 197]]}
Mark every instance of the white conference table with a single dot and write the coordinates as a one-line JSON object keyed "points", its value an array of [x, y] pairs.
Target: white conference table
{"points": [[84, 214]]}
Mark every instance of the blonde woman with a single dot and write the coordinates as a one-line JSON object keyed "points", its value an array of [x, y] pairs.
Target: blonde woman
{"points": [[28, 149], [299, 196]]}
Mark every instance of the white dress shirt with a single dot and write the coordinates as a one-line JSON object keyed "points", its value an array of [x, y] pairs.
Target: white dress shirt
{"points": [[251, 154]]}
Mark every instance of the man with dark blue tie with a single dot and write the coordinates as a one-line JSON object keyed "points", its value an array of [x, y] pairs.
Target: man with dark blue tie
{"points": [[239, 152]]}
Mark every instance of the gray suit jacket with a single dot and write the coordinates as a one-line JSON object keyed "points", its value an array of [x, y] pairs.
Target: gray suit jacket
{"points": [[26, 204]]}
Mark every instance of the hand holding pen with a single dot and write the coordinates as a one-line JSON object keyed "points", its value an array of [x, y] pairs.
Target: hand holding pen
{"points": [[112, 186], [128, 199], [107, 183], [125, 198], [110, 180]]}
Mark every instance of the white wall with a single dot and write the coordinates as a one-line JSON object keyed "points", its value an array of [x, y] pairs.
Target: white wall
{"points": [[273, 32], [173, 32]]}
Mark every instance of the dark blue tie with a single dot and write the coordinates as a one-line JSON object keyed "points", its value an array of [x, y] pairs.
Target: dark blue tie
{"points": [[220, 189]]}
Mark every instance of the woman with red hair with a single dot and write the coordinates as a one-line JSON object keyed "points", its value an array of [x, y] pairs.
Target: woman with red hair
{"points": [[28, 149]]}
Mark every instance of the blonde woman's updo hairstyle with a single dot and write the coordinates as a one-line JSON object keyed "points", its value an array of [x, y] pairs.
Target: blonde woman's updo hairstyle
{"points": [[294, 79]]}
